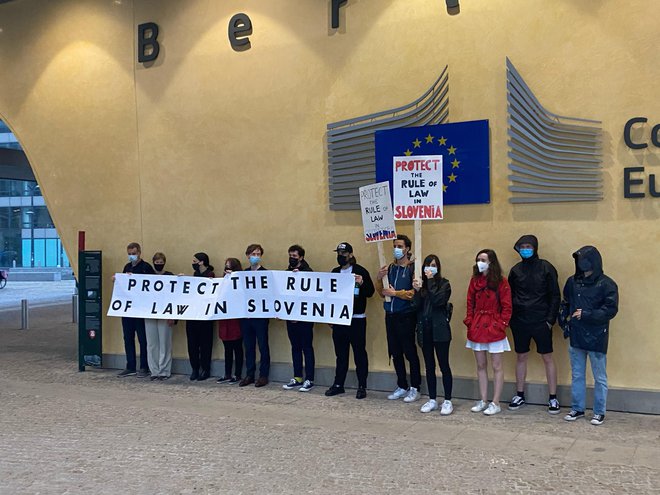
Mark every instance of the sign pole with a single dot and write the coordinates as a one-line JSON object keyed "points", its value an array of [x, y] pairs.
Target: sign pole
{"points": [[382, 262], [418, 250]]}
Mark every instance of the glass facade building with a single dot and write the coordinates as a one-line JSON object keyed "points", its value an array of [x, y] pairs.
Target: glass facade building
{"points": [[28, 237]]}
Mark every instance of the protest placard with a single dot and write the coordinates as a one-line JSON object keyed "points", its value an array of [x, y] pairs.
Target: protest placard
{"points": [[417, 183], [298, 296], [377, 215]]}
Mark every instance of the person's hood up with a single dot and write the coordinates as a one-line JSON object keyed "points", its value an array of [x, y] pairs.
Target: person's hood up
{"points": [[528, 239], [588, 258]]}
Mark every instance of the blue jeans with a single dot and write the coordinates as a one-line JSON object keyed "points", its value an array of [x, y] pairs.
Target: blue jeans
{"points": [[579, 386], [301, 334], [255, 331], [132, 326]]}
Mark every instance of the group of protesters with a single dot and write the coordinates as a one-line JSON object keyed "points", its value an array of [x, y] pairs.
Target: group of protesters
{"points": [[418, 312]]}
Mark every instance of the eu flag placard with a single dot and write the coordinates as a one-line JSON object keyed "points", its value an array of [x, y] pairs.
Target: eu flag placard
{"points": [[465, 151]]}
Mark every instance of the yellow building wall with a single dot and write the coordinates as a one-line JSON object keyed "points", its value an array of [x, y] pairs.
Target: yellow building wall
{"points": [[210, 149]]}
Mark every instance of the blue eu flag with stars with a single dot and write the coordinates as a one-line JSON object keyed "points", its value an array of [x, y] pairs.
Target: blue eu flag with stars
{"points": [[465, 151]]}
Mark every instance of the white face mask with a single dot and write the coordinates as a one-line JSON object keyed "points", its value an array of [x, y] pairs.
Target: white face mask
{"points": [[482, 266]]}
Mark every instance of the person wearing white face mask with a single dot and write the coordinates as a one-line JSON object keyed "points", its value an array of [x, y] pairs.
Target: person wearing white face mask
{"points": [[487, 316], [433, 331], [135, 326], [401, 319]]}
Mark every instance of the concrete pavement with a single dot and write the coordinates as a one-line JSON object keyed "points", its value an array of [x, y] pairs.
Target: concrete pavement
{"points": [[67, 432]]}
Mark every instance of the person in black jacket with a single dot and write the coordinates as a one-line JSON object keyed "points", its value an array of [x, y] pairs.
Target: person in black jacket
{"points": [[199, 333], [301, 333], [433, 331], [133, 326], [535, 297], [591, 300], [355, 334]]}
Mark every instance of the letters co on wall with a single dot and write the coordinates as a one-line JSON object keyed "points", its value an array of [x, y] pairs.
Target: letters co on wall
{"points": [[238, 32], [637, 187]]}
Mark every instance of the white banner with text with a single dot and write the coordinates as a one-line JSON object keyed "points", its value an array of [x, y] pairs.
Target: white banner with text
{"points": [[299, 296]]}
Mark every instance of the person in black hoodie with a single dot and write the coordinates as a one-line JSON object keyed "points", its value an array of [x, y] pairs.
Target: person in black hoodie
{"points": [[133, 326], [431, 300], [535, 297], [591, 300], [354, 335], [301, 333], [199, 333]]}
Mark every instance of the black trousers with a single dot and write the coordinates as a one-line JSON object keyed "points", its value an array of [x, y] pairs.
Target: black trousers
{"points": [[233, 349], [344, 337], [442, 352], [200, 344], [400, 329]]}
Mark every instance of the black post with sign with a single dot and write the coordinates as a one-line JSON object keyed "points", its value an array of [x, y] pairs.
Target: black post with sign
{"points": [[89, 309]]}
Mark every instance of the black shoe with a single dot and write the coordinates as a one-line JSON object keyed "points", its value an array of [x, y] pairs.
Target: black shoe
{"points": [[573, 415], [598, 419], [126, 373], [516, 402], [334, 390], [234, 380], [223, 379], [194, 375], [204, 375], [153, 377], [361, 393]]}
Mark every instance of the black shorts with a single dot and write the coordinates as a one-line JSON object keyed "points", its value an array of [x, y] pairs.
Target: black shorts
{"points": [[524, 333]]}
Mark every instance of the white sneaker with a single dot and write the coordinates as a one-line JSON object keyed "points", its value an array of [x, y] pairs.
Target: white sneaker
{"points": [[479, 406], [447, 408], [431, 405], [306, 386], [492, 409], [412, 396], [398, 393]]}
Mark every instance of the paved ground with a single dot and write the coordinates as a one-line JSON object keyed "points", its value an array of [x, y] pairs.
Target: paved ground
{"points": [[37, 294], [67, 432]]}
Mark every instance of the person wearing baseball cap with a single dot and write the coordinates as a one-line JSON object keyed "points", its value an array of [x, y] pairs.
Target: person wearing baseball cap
{"points": [[354, 335]]}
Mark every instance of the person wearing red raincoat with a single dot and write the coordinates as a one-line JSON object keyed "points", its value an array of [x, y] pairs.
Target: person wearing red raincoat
{"points": [[487, 316]]}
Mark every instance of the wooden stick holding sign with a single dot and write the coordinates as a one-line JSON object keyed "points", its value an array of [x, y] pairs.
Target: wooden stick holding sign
{"points": [[378, 219], [417, 195]]}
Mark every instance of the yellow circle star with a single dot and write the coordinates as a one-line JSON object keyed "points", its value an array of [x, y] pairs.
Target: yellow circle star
{"points": [[407, 152], [452, 177], [417, 143], [429, 138], [442, 141], [452, 150], [455, 163]]}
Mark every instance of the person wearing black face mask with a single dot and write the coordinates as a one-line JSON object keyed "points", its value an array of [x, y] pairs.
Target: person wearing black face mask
{"points": [[354, 335], [159, 334], [300, 333], [199, 333]]}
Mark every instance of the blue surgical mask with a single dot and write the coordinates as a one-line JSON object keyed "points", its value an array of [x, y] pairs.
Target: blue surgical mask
{"points": [[526, 253], [398, 253], [132, 258], [432, 269], [254, 260]]}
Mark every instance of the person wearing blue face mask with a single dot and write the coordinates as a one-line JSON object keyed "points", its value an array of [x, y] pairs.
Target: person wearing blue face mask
{"points": [[401, 319], [255, 332], [433, 331], [535, 296], [135, 326]]}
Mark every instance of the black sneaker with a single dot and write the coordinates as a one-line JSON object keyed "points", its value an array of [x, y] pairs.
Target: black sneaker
{"points": [[223, 379], [334, 390], [153, 377], [234, 380], [293, 383], [573, 415], [194, 375], [553, 406], [361, 393], [126, 373], [143, 373], [516, 402], [598, 419]]}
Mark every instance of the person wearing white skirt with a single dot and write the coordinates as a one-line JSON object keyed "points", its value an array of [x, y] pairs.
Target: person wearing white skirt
{"points": [[487, 316]]}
